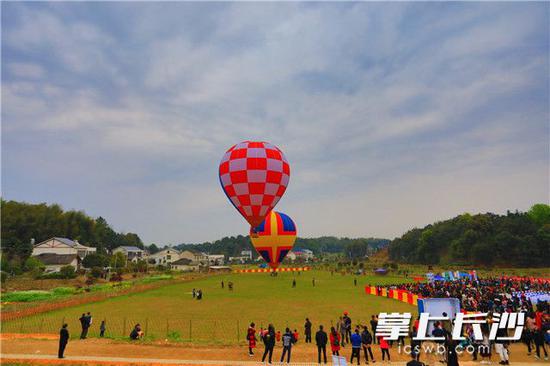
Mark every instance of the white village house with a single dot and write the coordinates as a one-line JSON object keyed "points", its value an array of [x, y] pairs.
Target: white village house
{"points": [[58, 252], [133, 254], [53, 262], [194, 256], [185, 265], [164, 257], [62, 246], [216, 259]]}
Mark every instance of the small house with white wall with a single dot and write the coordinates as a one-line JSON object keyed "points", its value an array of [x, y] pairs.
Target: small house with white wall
{"points": [[185, 265], [53, 262], [133, 254], [60, 246], [164, 257]]}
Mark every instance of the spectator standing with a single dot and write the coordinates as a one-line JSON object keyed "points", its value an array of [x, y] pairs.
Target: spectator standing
{"points": [[452, 357], [373, 325], [83, 325], [296, 335], [63, 340], [334, 341], [288, 341], [414, 361], [347, 321], [307, 330], [102, 329], [501, 347], [341, 327], [251, 338], [269, 342], [355, 346], [321, 340], [384, 347], [539, 342], [366, 341]]}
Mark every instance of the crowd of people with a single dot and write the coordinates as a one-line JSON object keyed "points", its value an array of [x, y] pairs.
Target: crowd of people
{"points": [[361, 338], [487, 294]]}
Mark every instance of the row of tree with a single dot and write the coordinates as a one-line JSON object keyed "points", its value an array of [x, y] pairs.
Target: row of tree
{"points": [[22, 222], [516, 239], [233, 245]]}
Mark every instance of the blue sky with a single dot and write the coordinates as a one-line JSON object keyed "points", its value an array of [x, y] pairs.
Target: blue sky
{"points": [[392, 115]]}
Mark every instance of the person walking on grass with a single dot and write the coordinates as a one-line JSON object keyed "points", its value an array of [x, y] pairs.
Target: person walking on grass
{"points": [[251, 338], [307, 330], [334, 342], [269, 343], [321, 340], [288, 341], [355, 346], [84, 326], [366, 341], [63, 340], [384, 347], [102, 329]]}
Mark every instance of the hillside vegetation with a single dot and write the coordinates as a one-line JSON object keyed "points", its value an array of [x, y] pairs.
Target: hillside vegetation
{"points": [[23, 221], [515, 239]]}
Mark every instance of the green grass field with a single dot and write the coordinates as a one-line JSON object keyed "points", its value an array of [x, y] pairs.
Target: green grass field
{"points": [[222, 316]]}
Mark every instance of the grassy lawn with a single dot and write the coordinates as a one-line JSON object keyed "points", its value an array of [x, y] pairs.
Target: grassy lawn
{"points": [[222, 316]]}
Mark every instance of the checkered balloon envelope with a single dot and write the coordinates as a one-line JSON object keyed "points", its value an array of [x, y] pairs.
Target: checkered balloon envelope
{"points": [[254, 176]]}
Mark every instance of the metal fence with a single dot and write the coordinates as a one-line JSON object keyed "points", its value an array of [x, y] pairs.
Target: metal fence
{"points": [[225, 331]]}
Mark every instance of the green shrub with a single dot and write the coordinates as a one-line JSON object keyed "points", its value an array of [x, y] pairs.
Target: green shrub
{"points": [[64, 291], [33, 264], [3, 276], [161, 277], [27, 296], [96, 272], [174, 336], [67, 272]]}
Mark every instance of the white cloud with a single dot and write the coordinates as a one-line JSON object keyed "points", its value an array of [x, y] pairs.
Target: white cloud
{"points": [[359, 96]]}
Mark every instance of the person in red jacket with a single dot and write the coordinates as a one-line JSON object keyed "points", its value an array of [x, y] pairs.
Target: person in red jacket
{"points": [[251, 337], [278, 336], [384, 347], [334, 339], [295, 334]]}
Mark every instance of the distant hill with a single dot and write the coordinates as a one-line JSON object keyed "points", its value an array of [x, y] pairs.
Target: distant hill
{"points": [[515, 239], [232, 246]]}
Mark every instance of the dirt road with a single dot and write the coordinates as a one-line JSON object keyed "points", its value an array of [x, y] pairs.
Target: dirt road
{"points": [[101, 351]]}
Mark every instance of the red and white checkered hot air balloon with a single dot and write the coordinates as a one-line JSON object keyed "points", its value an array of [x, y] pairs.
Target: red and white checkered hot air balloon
{"points": [[254, 176]]}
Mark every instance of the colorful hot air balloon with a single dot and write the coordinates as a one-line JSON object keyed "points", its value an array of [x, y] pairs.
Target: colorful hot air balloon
{"points": [[254, 176], [274, 238]]}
